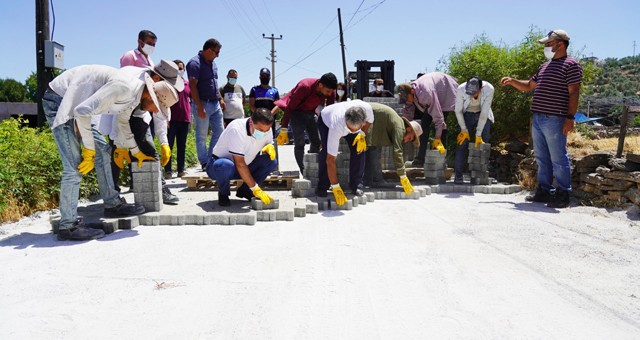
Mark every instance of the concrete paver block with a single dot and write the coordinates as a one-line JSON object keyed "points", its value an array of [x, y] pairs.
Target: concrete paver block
{"points": [[149, 219], [301, 184], [370, 196], [284, 215], [311, 208], [256, 204], [128, 222], [299, 212], [246, 219]]}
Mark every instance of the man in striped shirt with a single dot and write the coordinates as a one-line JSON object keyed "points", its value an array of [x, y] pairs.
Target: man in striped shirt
{"points": [[555, 101]]}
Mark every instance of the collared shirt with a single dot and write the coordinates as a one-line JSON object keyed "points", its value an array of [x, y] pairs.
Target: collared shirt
{"points": [[387, 129], [207, 75], [463, 104], [305, 98], [333, 117], [135, 58], [90, 90], [181, 111], [233, 96], [551, 95], [237, 140], [435, 93], [264, 98]]}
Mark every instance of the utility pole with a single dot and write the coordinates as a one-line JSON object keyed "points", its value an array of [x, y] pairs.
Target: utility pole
{"points": [[344, 62], [273, 57], [43, 75]]}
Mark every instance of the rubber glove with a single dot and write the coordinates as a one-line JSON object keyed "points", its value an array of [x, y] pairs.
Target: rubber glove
{"points": [[88, 161], [165, 154], [360, 142], [406, 185], [142, 157], [338, 194], [263, 196], [437, 144], [283, 137], [121, 155], [478, 141], [464, 134], [269, 149]]}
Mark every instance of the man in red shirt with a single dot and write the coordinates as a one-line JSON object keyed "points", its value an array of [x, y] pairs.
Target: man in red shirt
{"points": [[303, 105]]}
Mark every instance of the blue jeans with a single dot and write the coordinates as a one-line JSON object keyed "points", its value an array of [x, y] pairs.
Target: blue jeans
{"points": [[550, 147], [223, 170], [213, 119], [471, 121], [71, 155]]}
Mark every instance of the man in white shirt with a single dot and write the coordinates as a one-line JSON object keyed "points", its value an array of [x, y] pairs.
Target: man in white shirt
{"points": [[350, 120], [69, 103], [244, 151], [233, 96], [473, 112]]}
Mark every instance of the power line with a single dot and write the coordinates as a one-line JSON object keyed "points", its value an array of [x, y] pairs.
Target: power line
{"points": [[354, 13], [266, 8]]}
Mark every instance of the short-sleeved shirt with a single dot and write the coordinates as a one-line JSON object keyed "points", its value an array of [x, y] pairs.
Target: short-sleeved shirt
{"points": [[207, 76], [264, 98], [233, 96], [237, 140], [551, 95], [333, 116], [135, 58], [304, 98]]}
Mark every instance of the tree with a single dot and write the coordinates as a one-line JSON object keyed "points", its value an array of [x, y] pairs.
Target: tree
{"points": [[31, 85], [12, 91]]}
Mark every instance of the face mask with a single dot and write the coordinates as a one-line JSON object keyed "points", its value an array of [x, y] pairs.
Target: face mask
{"points": [[380, 88], [259, 134], [147, 49], [548, 53], [264, 81], [181, 73], [233, 81], [340, 93]]}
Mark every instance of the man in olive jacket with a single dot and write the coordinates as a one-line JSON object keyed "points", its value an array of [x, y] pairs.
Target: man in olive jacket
{"points": [[388, 128]]}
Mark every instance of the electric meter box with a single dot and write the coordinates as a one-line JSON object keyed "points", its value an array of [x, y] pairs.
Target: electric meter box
{"points": [[53, 54]]}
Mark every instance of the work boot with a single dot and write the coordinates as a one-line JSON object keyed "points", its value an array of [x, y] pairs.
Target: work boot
{"points": [[79, 232], [458, 180], [168, 197], [244, 192], [417, 163], [541, 196], [560, 199], [224, 200], [124, 209]]}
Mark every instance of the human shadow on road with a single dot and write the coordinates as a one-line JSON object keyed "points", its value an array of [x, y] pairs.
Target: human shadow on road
{"points": [[49, 240], [533, 207]]}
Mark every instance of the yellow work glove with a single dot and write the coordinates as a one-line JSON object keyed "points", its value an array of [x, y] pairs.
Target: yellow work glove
{"points": [[121, 155], [360, 142], [283, 136], [88, 161], [464, 134], [339, 194], [142, 157], [269, 149], [165, 154], [437, 144], [478, 141], [263, 196], [406, 185]]}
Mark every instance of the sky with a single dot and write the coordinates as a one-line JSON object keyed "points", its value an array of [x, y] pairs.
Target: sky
{"points": [[415, 34]]}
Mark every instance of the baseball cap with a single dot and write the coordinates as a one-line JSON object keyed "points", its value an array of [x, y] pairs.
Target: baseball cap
{"points": [[555, 35], [265, 70], [473, 85], [168, 71]]}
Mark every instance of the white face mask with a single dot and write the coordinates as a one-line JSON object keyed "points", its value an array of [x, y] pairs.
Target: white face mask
{"points": [[548, 53], [380, 88], [147, 49], [181, 73], [340, 93]]}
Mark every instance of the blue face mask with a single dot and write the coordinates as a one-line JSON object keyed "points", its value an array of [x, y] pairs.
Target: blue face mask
{"points": [[233, 81], [259, 134]]}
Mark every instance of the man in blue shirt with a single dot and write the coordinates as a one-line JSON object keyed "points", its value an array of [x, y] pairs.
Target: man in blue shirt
{"points": [[264, 95], [206, 101]]}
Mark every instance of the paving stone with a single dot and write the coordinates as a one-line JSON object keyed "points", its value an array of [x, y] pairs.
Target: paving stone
{"points": [[513, 188], [362, 200], [354, 201], [496, 189], [435, 189], [256, 204], [299, 212], [480, 181], [296, 192], [194, 219], [334, 206], [233, 219], [370, 196], [178, 220], [149, 219], [480, 174], [462, 188], [480, 189], [165, 220], [323, 205], [446, 188], [284, 215], [479, 167], [433, 166], [128, 222], [109, 226], [301, 184], [246, 219], [311, 208]]}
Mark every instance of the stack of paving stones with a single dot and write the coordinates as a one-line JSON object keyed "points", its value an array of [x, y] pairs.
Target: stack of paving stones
{"points": [[434, 167], [479, 163], [310, 172], [148, 186]]}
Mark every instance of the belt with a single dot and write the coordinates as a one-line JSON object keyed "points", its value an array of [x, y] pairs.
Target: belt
{"points": [[214, 157]]}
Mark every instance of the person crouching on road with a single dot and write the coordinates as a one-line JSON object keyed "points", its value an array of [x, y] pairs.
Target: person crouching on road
{"points": [[350, 120], [244, 151]]}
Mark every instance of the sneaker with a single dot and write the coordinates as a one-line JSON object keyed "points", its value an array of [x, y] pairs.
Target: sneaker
{"points": [[168, 175], [358, 192], [559, 200], [181, 174], [417, 163], [224, 200], [168, 197], [244, 192], [541, 196], [124, 209], [78, 232]]}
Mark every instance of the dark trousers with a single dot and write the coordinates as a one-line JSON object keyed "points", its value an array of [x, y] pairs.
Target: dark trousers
{"points": [[373, 166], [425, 123], [471, 121], [300, 122], [177, 133], [144, 139], [115, 170], [356, 160]]}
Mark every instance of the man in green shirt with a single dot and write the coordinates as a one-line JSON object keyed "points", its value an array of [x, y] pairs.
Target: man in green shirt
{"points": [[388, 129]]}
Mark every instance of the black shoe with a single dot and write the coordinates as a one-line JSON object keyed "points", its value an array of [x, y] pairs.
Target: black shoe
{"points": [[124, 209], [417, 163], [458, 180], [382, 184], [559, 200], [78, 232], [321, 193], [358, 192], [168, 197], [204, 166], [541, 196], [224, 200], [244, 192]]}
